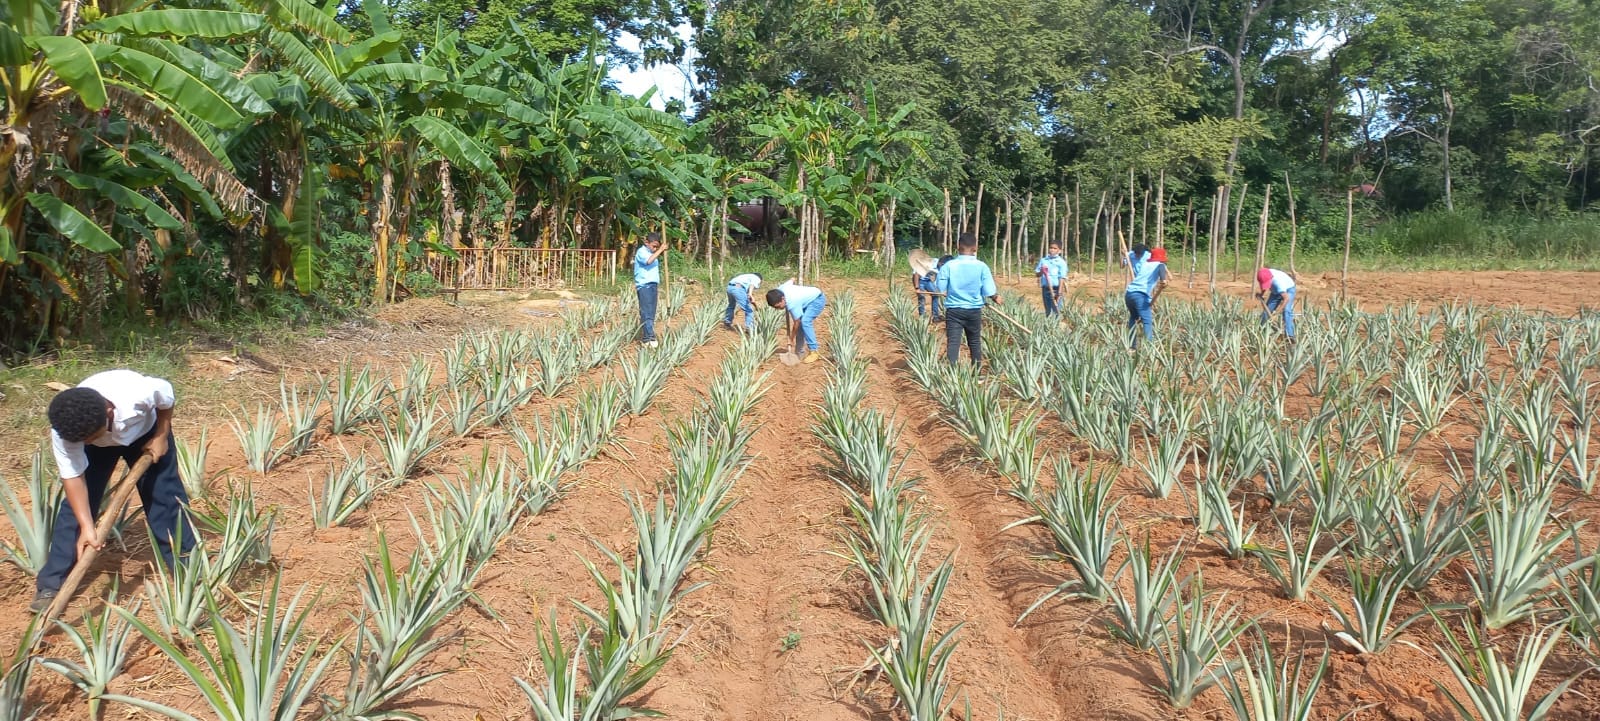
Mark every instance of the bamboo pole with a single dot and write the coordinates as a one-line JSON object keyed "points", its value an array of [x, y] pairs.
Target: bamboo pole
{"points": [[1293, 229]]}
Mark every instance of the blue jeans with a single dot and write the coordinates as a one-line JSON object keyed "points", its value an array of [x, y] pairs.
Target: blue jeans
{"points": [[1286, 299], [1049, 293], [1139, 312], [647, 310], [160, 490], [808, 317], [933, 300], [739, 296]]}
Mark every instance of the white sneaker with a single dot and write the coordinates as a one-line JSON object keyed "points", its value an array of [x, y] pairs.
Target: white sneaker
{"points": [[650, 344]]}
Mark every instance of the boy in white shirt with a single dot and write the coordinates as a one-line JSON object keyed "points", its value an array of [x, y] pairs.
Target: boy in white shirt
{"points": [[740, 288], [111, 416], [1276, 289]]}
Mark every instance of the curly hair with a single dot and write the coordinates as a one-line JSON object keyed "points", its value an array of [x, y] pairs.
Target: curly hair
{"points": [[76, 413]]}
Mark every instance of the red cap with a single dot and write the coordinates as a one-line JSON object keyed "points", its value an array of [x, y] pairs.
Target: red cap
{"points": [[1264, 277], [1158, 255]]}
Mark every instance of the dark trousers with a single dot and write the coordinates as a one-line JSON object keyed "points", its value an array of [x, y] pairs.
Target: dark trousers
{"points": [[968, 322], [647, 310], [160, 490], [1049, 300]]}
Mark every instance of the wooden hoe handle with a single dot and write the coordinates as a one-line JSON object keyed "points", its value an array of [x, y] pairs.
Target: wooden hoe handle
{"points": [[109, 513]]}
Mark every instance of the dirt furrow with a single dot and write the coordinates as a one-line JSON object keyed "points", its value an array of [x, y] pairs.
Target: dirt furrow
{"points": [[1048, 667]]}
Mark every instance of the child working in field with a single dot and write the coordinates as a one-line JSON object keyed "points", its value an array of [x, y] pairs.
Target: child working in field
{"points": [[928, 283], [647, 283], [968, 285], [1149, 278], [739, 290], [803, 303], [1052, 272], [111, 416], [1276, 288]]}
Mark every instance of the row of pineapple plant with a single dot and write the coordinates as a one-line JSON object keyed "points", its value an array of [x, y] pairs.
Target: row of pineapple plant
{"points": [[248, 675], [1358, 491], [889, 533], [613, 652]]}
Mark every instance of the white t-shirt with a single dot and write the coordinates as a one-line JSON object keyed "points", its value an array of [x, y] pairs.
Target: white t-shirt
{"points": [[1280, 280], [748, 280], [136, 396]]}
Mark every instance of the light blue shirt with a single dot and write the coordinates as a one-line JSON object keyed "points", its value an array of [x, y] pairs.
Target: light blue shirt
{"points": [[1146, 273], [749, 281], [646, 271], [796, 297], [965, 282], [1281, 282], [1055, 271]]}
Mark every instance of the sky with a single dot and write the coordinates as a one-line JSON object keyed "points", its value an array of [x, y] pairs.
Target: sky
{"points": [[672, 82]]}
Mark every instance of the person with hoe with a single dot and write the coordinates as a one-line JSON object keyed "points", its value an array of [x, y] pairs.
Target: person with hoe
{"points": [[647, 283], [739, 290], [1149, 279], [111, 416], [804, 303], [1276, 288], [1052, 272], [966, 283]]}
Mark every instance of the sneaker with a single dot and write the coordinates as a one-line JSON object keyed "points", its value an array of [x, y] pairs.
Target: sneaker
{"points": [[813, 357], [650, 344], [42, 600]]}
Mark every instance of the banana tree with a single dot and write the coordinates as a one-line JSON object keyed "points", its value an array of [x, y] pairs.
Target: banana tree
{"points": [[66, 70]]}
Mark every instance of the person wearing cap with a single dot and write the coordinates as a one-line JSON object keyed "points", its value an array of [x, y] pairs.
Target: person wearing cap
{"points": [[1158, 255], [803, 303], [1276, 289], [1052, 272], [116, 415], [647, 283], [967, 284], [1149, 278], [740, 288]]}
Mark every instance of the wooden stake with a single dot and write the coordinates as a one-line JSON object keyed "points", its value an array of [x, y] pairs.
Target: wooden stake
{"points": [[1238, 214], [1349, 218], [1261, 230], [1293, 229], [110, 513], [946, 229], [1161, 210]]}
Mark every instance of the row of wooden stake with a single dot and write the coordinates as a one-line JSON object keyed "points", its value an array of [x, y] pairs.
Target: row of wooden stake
{"points": [[1111, 229]]}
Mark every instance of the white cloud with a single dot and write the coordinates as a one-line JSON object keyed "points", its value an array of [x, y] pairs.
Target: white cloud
{"points": [[672, 82]]}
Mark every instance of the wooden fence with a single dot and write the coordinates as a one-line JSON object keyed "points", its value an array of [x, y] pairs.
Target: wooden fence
{"points": [[522, 268]]}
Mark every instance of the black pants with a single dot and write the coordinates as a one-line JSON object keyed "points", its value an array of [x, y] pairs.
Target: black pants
{"points": [[160, 490], [967, 322]]}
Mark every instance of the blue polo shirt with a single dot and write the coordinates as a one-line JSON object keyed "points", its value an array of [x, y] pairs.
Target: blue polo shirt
{"points": [[646, 271], [796, 297], [1055, 271], [965, 282], [1146, 273]]}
